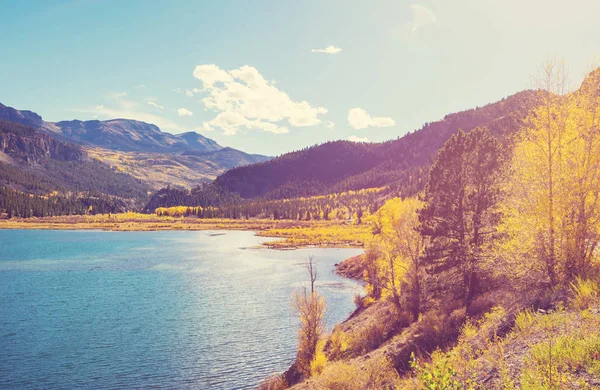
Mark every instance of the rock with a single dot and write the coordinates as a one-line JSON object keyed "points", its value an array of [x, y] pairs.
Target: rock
{"points": [[33, 147]]}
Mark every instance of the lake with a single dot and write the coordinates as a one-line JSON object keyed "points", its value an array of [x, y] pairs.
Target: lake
{"points": [[92, 309]]}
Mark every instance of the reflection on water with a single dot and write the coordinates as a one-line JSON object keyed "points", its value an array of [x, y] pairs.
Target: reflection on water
{"points": [[81, 309]]}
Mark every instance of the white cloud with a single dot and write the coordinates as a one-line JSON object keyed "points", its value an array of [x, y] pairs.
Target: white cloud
{"points": [[421, 16], [211, 74], [243, 98], [186, 92], [205, 127], [184, 112], [354, 138], [230, 122], [327, 50], [329, 124], [154, 104], [360, 119]]}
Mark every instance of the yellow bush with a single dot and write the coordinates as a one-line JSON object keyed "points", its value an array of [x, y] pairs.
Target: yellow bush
{"points": [[373, 374], [437, 374], [339, 343], [317, 365], [524, 320], [585, 294], [551, 363]]}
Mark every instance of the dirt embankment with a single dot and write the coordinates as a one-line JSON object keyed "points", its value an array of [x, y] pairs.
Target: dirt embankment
{"points": [[352, 268]]}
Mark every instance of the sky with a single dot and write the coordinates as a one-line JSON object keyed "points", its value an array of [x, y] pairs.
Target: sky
{"points": [[272, 76]]}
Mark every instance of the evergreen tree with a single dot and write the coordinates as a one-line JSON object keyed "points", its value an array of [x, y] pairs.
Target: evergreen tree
{"points": [[460, 210]]}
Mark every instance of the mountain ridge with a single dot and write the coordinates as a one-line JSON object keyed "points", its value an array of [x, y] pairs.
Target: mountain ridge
{"points": [[118, 134], [139, 148], [338, 166], [37, 164], [131, 135]]}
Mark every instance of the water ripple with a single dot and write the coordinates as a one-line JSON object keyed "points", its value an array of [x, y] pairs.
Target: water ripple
{"points": [[152, 309]]}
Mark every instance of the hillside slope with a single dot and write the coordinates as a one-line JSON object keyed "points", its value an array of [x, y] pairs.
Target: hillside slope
{"points": [[38, 164], [35, 167], [141, 149], [342, 165], [130, 136], [187, 169]]}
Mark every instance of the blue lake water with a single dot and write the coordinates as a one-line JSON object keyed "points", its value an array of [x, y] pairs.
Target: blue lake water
{"points": [[91, 309]]}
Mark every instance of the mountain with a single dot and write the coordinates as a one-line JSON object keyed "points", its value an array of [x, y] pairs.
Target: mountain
{"points": [[141, 149], [198, 142], [187, 169], [19, 142], [40, 175], [342, 165], [23, 117], [226, 157], [130, 136]]}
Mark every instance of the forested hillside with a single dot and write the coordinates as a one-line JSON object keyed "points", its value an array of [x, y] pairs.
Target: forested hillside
{"points": [[402, 163], [42, 176], [141, 149], [350, 206], [341, 166], [490, 279]]}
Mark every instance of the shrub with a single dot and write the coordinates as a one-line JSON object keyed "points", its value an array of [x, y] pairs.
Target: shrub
{"points": [[436, 375], [374, 374], [551, 362], [438, 329], [319, 360], [524, 320], [585, 294], [363, 302], [339, 343]]}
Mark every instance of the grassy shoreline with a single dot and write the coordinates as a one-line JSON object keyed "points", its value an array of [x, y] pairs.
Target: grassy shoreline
{"points": [[291, 234]]}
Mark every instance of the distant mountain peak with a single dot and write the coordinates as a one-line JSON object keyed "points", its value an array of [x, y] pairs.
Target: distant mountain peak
{"points": [[130, 135], [24, 117], [128, 146], [119, 134]]}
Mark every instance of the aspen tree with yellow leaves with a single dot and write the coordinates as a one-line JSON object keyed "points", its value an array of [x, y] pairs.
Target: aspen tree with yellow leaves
{"points": [[551, 217], [397, 246]]}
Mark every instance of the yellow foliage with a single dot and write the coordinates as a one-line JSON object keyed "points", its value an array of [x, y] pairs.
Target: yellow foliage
{"points": [[323, 233], [373, 374], [311, 309], [317, 365], [586, 294], [551, 363], [393, 252], [339, 342], [552, 214]]}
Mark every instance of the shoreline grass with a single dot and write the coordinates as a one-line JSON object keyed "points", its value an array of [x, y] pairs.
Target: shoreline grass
{"points": [[291, 234]]}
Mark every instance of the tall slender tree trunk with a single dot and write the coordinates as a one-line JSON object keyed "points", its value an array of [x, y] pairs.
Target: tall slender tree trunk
{"points": [[551, 261], [416, 292]]}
